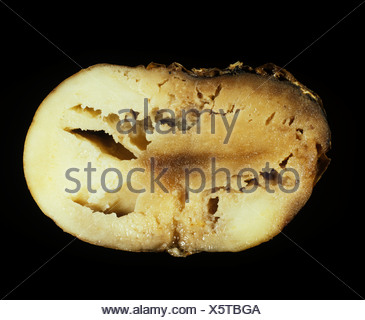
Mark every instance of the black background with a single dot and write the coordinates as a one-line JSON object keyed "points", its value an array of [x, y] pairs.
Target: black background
{"points": [[213, 34]]}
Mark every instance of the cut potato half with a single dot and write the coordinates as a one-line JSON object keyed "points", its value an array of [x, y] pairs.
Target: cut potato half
{"points": [[164, 158]]}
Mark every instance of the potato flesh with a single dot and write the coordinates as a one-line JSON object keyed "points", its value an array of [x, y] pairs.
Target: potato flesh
{"points": [[275, 124]]}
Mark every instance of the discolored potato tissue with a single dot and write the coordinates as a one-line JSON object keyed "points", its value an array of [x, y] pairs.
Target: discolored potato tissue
{"points": [[163, 158]]}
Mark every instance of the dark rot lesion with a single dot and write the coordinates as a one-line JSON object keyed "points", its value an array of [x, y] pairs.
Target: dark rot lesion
{"points": [[283, 163], [86, 111], [213, 208], [138, 136]]}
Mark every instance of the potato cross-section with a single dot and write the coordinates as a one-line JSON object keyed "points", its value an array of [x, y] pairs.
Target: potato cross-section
{"points": [[169, 159]]}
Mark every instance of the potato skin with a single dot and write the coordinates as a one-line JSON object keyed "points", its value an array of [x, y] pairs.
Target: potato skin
{"points": [[279, 121]]}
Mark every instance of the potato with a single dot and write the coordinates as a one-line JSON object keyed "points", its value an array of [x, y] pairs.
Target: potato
{"points": [[164, 158]]}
